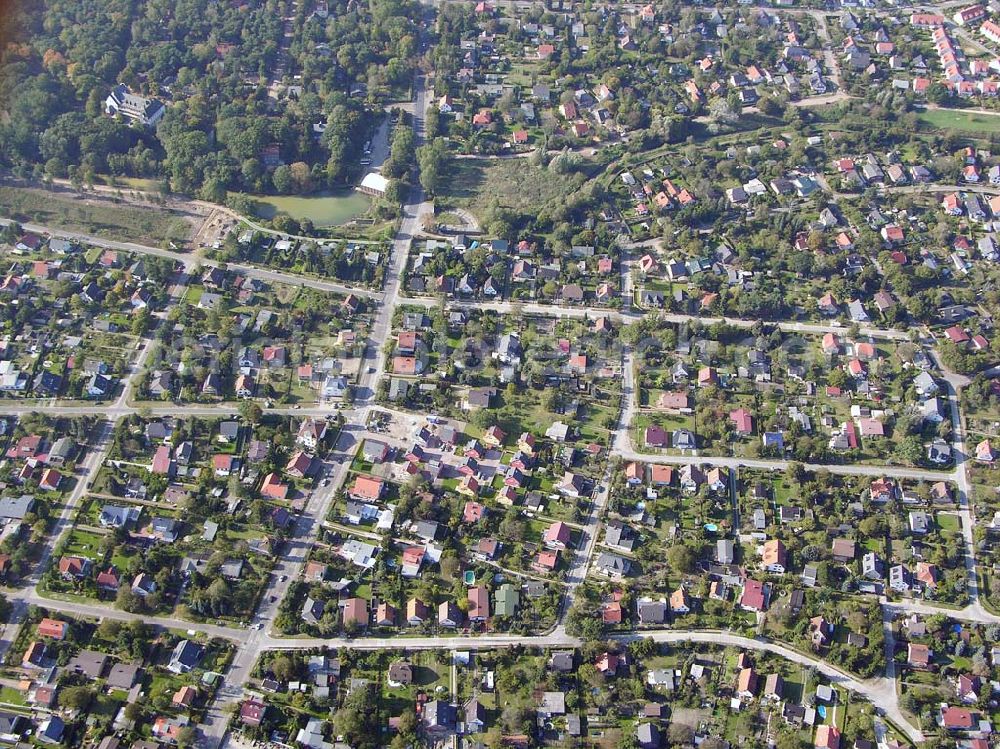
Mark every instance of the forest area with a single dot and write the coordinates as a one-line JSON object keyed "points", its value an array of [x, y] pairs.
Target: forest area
{"points": [[265, 96]]}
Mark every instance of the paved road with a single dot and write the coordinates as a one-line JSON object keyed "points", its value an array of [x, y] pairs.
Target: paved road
{"points": [[86, 471], [287, 569], [925, 608], [154, 408], [373, 362], [889, 639], [578, 567], [954, 383], [373, 367], [190, 261], [104, 611], [133, 373], [938, 187], [880, 691], [628, 316], [628, 453], [621, 444]]}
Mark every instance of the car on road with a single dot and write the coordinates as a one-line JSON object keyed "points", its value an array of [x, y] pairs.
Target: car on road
{"points": [[283, 578], [371, 370]]}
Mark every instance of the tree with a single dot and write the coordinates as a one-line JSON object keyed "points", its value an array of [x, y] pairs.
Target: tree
{"points": [[126, 600], [770, 106], [357, 721], [681, 557], [301, 177], [680, 733], [283, 668], [251, 412], [798, 473], [214, 190], [108, 629], [187, 736], [134, 712], [449, 564], [493, 738], [141, 322], [431, 159], [76, 698], [408, 724], [582, 623], [282, 179], [722, 111], [394, 193], [873, 525], [628, 740], [788, 740], [911, 449]]}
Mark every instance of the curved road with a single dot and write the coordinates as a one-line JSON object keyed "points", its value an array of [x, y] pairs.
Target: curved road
{"points": [[189, 260]]}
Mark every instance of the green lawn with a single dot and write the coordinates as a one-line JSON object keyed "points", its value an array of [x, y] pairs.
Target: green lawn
{"points": [[942, 119], [130, 183], [164, 683], [193, 293], [83, 544], [514, 183], [12, 696], [948, 522], [122, 560]]}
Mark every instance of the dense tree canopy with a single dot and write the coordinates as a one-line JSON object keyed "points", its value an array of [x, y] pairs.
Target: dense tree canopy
{"points": [[248, 90]]}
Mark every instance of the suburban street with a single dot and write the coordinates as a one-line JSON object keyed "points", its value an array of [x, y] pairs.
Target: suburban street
{"points": [[260, 635], [373, 364], [251, 643], [783, 465], [190, 261], [259, 638], [630, 315]]}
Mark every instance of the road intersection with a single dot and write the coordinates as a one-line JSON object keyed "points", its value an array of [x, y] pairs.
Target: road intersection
{"points": [[250, 644], [259, 638]]}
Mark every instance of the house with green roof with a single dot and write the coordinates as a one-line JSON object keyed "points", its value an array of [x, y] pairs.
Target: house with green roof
{"points": [[507, 598]]}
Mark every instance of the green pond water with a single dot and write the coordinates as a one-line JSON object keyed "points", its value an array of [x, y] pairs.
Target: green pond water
{"points": [[322, 208]]}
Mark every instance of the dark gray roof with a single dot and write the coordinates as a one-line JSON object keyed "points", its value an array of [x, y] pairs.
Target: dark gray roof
{"points": [[124, 675], [90, 663]]}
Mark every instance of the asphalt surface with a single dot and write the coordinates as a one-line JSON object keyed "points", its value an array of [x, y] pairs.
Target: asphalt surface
{"points": [[259, 638]]}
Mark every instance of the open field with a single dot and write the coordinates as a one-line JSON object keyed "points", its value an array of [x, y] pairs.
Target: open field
{"points": [[942, 119], [515, 183], [92, 216]]}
